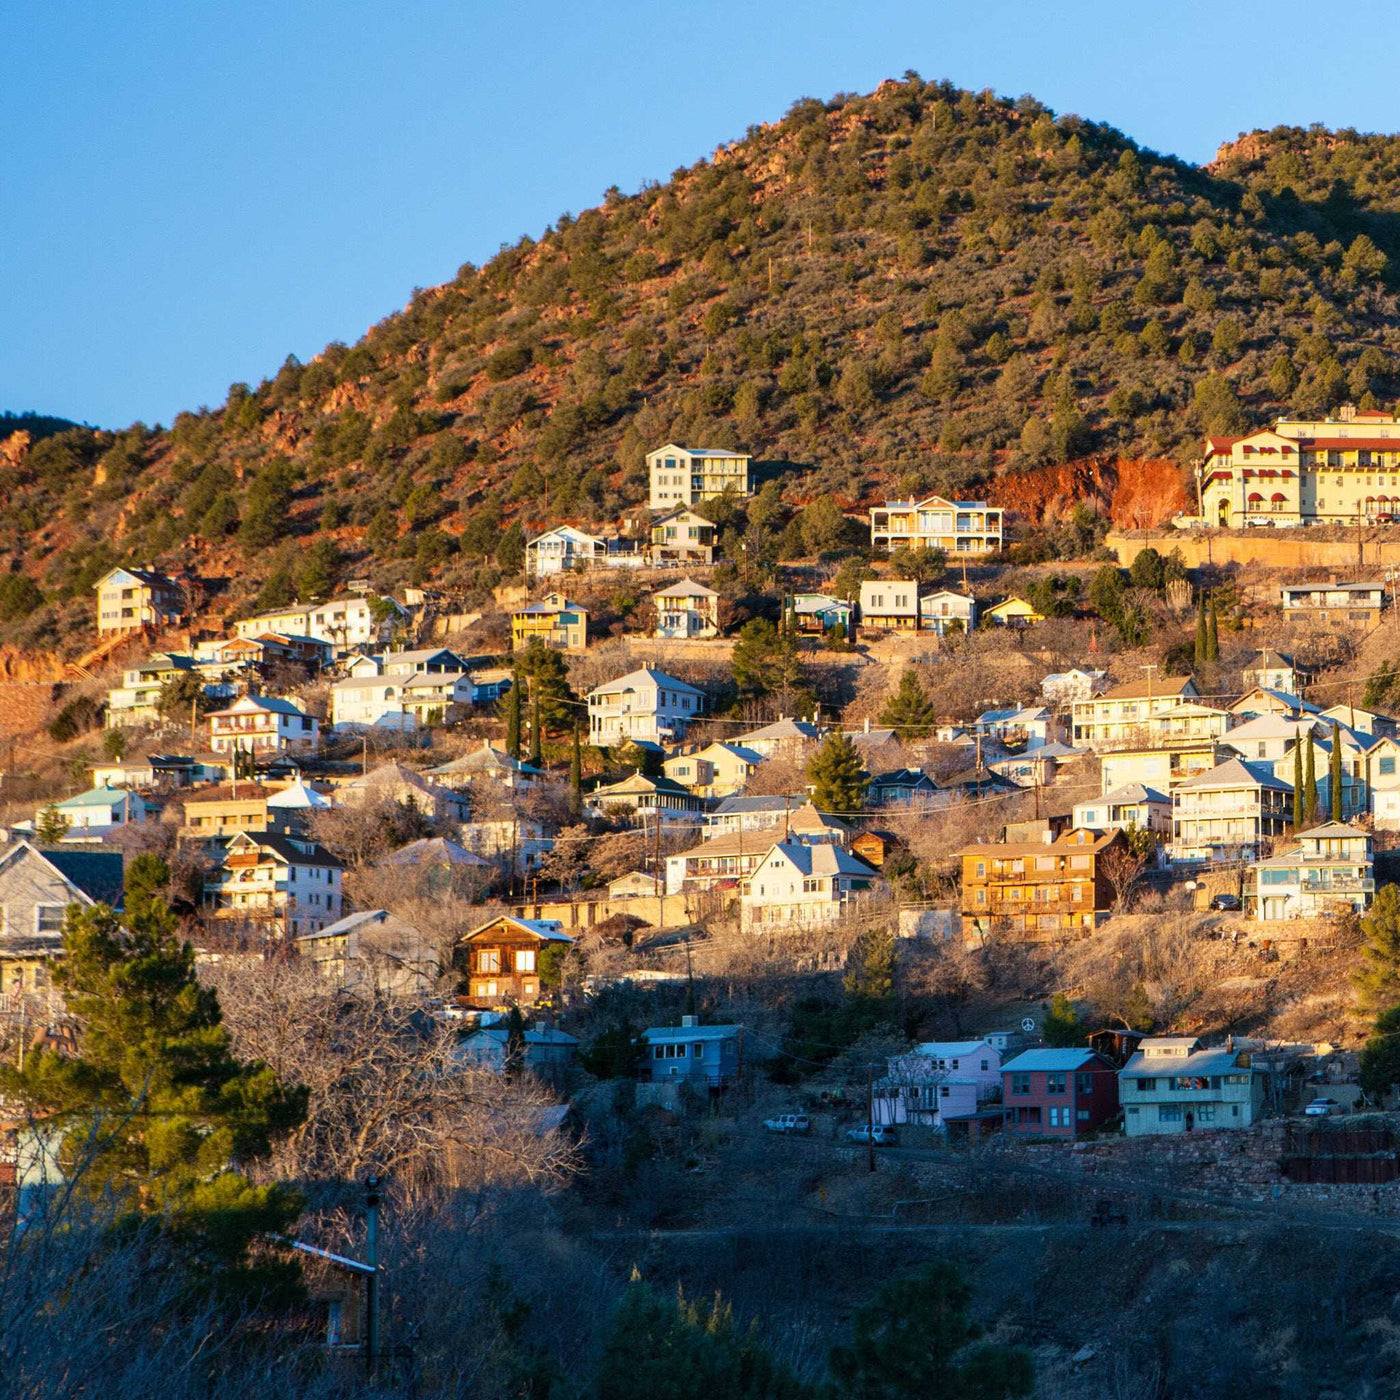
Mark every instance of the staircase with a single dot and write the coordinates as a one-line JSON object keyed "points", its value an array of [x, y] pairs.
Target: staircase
{"points": [[81, 668]]}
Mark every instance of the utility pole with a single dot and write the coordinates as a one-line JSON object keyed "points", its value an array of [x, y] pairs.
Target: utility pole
{"points": [[194, 720], [372, 1278]]}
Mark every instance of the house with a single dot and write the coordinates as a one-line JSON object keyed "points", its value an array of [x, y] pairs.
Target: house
{"points": [[1043, 889], [288, 884], [547, 1050], [1354, 749], [1305, 470], [487, 764], [136, 701], [1117, 718], [1132, 805], [1334, 604], [159, 770], [636, 884], [705, 1056], [216, 812], [970, 784], [489, 683], [1360, 720], [900, 787], [346, 623], [392, 782], [643, 800], [131, 599], [947, 611], [561, 550], [1268, 738], [643, 704], [103, 807], [721, 862], [1275, 670], [872, 743], [801, 885], [818, 613], [1065, 687], [421, 661], [718, 770], [36, 888], [519, 843], [1228, 813], [1029, 725], [434, 698], [1383, 783], [375, 952], [437, 856], [686, 610], [956, 527], [769, 813], [1332, 871], [976, 1061], [1058, 1093], [1172, 1084], [262, 724], [889, 605], [1011, 612], [504, 959], [681, 476], [784, 737], [370, 702], [554, 620], [683, 537], [1162, 766], [1037, 767], [913, 1090], [1263, 701]]}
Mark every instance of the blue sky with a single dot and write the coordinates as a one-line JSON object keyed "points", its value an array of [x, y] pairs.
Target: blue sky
{"points": [[189, 192]]}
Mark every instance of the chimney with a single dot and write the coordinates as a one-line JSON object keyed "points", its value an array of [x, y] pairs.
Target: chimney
{"points": [[689, 1021], [1230, 1044]]}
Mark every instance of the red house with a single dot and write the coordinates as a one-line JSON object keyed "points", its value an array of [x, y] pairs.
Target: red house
{"points": [[1058, 1093]]}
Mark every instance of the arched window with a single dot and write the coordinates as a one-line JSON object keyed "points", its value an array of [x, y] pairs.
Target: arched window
{"points": [[1279, 500]]}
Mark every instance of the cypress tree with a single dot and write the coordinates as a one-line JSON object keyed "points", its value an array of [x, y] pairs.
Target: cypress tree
{"points": [[1201, 641], [1334, 773], [576, 777], [513, 716], [536, 740], [1213, 632], [1297, 787], [1309, 786]]}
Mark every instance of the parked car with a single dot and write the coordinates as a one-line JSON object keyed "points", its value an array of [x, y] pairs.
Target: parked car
{"points": [[788, 1123], [883, 1136], [1322, 1108], [1229, 902]]}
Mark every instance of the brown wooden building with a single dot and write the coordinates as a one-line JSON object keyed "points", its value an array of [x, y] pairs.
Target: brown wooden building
{"points": [[1040, 889], [502, 959]]}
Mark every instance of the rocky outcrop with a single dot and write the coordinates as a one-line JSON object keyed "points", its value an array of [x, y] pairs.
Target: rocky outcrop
{"points": [[29, 666], [1134, 493]]}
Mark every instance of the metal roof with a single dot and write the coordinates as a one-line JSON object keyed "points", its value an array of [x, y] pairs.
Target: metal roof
{"points": [[1053, 1060]]}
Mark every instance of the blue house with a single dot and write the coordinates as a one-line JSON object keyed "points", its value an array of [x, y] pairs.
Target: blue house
{"points": [[701, 1055]]}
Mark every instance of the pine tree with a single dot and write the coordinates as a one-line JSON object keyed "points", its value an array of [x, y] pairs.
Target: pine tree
{"points": [[1377, 980], [512, 709], [1380, 1058], [1334, 773], [838, 776], [156, 1113], [1213, 632], [1310, 785], [870, 966], [51, 827], [1297, 787], [909, 710], [536, 738], [1063, 1026], [576, 777], [515, 1043], [1202, 641], [548, 673]]}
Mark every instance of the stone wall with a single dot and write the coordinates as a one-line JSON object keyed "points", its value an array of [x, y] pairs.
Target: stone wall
{"points": [[1272, 549]]}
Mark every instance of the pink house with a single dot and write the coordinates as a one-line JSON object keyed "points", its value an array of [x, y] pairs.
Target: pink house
{"points": [[976, 1060], [915, 1091], [1058, 1093]]}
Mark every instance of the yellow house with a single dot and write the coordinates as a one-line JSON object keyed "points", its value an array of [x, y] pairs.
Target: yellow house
{"points": [[130, 599], [958, 527], [721, 770], [555, 620], [1011, 612]]}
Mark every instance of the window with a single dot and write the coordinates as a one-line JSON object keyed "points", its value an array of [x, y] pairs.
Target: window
{"points": [[1147, 1086], [1132, 1110], [48, 918], [1083, 1115], [1055, 1083], [488, 960], [1169, 1113], [1084, 1082], [1387, 767], [1020, 1083], [1059, 1118], [1205, 1113], [985, 1064], [525, 960]]}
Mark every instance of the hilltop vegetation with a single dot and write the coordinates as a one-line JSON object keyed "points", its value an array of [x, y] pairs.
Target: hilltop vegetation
{"points": [[921, 288]]}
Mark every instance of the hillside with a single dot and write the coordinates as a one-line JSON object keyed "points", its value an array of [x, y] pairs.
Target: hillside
{"points": [[916, 289]]}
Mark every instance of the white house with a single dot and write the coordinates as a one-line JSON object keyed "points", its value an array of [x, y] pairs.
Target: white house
{"points": [[890, 605], [262, 724], [1383, 784], [1065, 687], [681, 476], [784, 736], [974, 1060], [1133, 804], [686, 610], [344, 622], [370, 702], [1117, 718], [1229, 812], [798, 884], [645, 704], [739, 813], [1274, 670], [1332, 871], [1267, 738], [1360, 720], [287, 883], [1031, 725], [947, 611], [102, 807], [561, 549]]}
